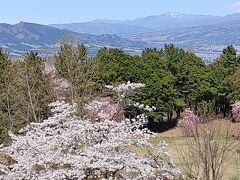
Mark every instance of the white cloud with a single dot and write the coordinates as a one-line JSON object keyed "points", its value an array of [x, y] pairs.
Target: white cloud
{"points": [[234, 7]]}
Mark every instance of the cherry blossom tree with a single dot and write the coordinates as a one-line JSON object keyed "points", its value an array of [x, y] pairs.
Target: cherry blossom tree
{"points": [[188, 122], [236, 111], [123, 89], [66, 146], [236, 117]]}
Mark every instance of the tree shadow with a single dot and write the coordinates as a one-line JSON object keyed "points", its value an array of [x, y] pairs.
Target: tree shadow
{"points": [[159, 127]]}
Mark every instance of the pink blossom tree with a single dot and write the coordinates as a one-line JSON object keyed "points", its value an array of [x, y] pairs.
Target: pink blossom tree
{"points": [[188, 122], [236, 117], [236, 111]]}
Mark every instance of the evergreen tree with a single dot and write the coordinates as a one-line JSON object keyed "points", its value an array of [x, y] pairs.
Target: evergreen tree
{"points": [[234, 81], [6, 121], [221, 70], [190, 77]]}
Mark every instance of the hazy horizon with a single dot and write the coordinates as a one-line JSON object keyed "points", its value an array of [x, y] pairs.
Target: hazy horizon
{"points": [[51, 12], [104, 19]]}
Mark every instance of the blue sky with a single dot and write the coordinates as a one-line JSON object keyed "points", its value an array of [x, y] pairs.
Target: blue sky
{"points": [[65, 11]]}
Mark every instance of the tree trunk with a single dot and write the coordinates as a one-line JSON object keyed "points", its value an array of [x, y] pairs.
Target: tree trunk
{"points": [[30, 99], [178, 113], [171, 116]]}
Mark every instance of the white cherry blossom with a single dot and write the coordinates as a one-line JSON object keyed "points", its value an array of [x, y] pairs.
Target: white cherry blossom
{"points": [[67, 147]]}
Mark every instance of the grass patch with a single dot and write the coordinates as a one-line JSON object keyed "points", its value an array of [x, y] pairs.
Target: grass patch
{"points": [[174, 140]]}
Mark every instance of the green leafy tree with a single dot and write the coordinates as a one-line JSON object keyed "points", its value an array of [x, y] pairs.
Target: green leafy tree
{"points": [[114, 64], [234, 81], [150, 69], [159, 91], [6, 121], [190, 77], [230, 60], [34, 87], [221, 70]]}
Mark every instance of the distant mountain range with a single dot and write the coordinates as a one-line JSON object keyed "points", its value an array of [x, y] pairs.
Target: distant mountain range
{"points": [[22, 37], [146, 24], [102, 27], [205, 35]]}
